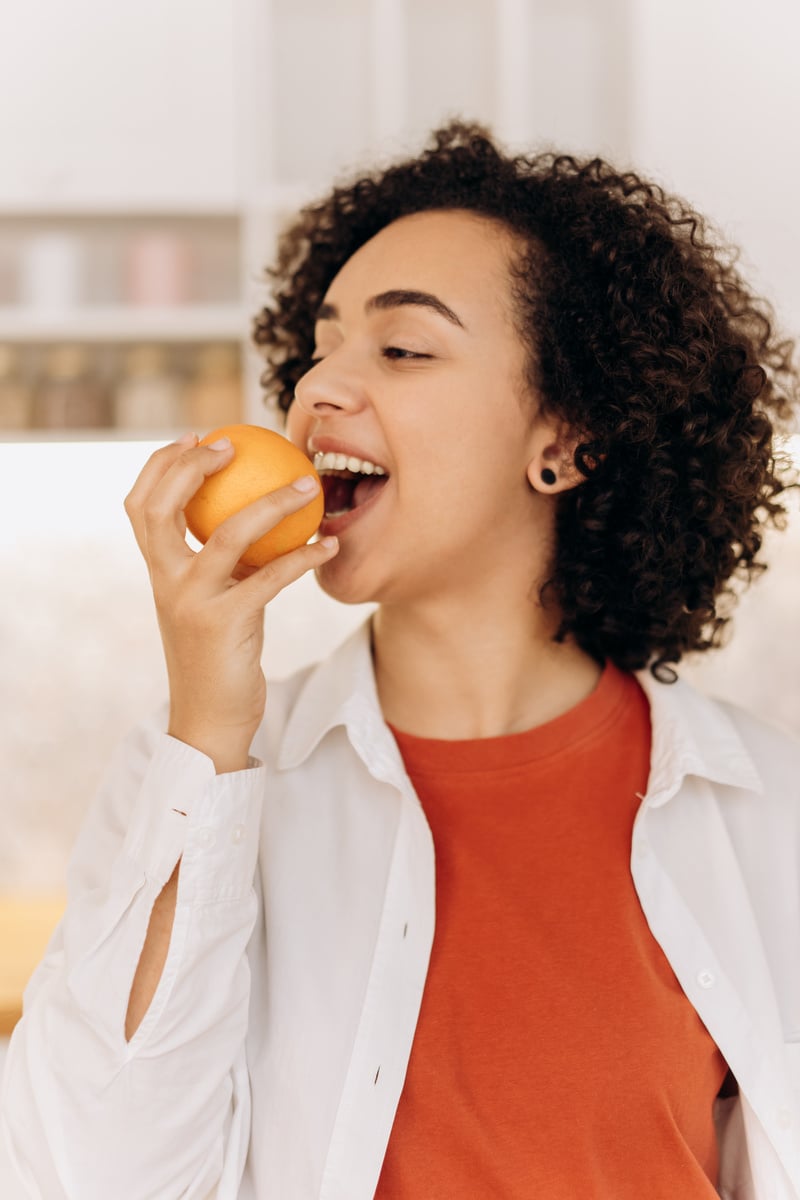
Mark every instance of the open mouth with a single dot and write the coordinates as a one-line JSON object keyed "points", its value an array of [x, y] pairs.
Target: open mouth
{"points": [[347, 482]]}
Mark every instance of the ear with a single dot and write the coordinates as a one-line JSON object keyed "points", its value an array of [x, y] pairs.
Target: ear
{"points": [[551, 466]]}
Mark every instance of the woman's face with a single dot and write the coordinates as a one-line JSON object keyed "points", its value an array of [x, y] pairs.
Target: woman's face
{"points": [[420, 374]]}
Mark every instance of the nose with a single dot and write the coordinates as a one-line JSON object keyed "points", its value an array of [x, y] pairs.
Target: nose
{"points": [[328, 390]]}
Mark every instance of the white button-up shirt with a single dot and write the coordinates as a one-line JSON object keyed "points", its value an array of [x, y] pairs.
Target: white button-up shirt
{"points": [[271, 1060]]}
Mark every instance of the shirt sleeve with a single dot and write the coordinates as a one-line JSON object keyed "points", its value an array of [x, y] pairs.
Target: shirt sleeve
{"points": [[88, 1114]]}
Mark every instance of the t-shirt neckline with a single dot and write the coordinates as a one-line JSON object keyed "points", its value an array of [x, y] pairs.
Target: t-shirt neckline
{"points": [[586, 721]]}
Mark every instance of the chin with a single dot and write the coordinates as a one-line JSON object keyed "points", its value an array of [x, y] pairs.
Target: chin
{"points": [[344, 585]]}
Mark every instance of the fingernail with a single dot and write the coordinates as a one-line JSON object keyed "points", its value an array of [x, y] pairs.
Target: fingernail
{"points": [[306, 483], [188, 439], [220, 444], [329, 542]]}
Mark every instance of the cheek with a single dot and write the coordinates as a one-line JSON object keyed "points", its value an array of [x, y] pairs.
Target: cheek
{"points": [[297, 426]]}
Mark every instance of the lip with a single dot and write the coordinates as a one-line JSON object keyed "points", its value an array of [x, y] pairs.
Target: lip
{"points": [[329, 445]]}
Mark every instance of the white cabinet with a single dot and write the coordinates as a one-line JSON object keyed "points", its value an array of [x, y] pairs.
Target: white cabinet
{"points": [[210, 121], [127, 105]]}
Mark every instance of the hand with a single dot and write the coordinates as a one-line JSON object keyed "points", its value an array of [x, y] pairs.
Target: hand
{"points": [[210, 609]]}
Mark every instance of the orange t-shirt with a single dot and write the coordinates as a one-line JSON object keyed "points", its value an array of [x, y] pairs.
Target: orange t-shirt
{"points": [[556, 1055]]}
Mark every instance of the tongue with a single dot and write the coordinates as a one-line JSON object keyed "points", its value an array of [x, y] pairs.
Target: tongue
{"points": [[366, 488], [338, 493]]}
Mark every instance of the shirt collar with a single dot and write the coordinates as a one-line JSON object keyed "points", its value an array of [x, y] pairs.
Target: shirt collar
{"points": [[341, 691], [692, 735]]}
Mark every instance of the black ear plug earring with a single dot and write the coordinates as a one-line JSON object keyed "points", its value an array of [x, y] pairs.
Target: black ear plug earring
{"points": [[548, 476]]}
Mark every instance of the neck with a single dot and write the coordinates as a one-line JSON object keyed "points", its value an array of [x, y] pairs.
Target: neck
{"points": [[468, 674]]}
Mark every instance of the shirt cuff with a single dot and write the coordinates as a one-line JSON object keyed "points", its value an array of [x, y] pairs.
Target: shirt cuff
{"points": [[210, 822]]}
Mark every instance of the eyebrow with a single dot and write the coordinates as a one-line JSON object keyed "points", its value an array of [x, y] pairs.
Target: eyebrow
{"points": [[397, 298]]}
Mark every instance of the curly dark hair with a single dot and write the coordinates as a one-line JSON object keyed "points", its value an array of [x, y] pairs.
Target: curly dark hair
{"points": [[643, 338]]}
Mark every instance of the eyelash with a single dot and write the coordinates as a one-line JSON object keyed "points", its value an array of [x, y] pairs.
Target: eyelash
{"points": [[390, 352]]}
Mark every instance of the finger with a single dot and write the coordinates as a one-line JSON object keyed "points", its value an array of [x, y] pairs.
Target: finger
{"points": [[272, 578], [243, 571], [231, 538], [162, 512], [151, 473]]}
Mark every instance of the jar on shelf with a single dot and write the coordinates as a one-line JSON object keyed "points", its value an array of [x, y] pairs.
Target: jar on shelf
{"points": [[148, 394], [51, 271], [214, 392], [70, 394], [16, 397], [157, 269], [9, 270]]}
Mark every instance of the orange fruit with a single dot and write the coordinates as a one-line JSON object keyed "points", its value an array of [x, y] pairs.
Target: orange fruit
{"points": [[263, 461]]}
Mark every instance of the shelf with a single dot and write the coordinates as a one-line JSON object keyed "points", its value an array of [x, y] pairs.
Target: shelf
{"points": [[72, 207], [109, 433], [284, 197], [274, 197], [228, 322]]}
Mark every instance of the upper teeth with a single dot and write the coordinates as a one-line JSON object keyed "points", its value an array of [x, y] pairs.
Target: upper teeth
{"points": [[344, 462]]}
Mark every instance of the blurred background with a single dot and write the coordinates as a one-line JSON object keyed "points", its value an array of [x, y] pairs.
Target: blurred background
{"points": [[149, 154]]}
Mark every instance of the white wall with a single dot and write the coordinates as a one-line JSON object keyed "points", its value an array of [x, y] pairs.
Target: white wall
{"points": [[124, 103], [714, 115], [715, 112]]}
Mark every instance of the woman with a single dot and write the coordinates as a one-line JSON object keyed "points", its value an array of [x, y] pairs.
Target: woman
{"points": [[481, 906]]}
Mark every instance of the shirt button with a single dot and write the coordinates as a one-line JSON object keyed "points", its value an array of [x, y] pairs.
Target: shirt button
{"points": [[706, 978], [784, 1118], [206, 837], [237, 834]]}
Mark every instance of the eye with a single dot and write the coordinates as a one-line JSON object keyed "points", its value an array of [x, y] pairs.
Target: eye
{"points": [[397, 352]]}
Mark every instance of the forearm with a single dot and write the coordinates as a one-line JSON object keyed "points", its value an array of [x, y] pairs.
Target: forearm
{"points": [[154, 954]]}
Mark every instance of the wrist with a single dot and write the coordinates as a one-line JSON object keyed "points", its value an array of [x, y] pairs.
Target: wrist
{"points": [[228, 750]]}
